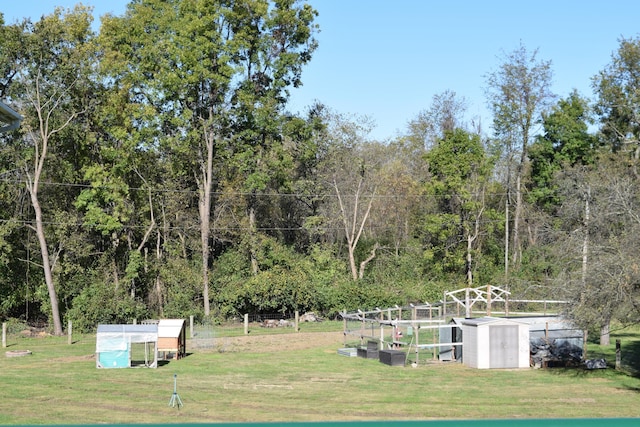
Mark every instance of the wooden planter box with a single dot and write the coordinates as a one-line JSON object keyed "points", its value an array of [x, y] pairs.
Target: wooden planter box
{"points": [[393, 357]]}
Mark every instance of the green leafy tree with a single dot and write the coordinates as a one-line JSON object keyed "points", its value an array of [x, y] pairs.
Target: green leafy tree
{"points": [[617, 90], [566, 141], [201, 74], [460, 172], [53, 82], [518, 93]]}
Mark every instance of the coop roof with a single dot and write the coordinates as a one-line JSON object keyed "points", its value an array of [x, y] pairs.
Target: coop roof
{"points": [[170, 328], [117, 337]]}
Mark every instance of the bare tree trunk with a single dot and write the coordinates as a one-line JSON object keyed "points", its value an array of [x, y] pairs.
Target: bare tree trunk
{"points": [[252, 238], [33, 186], [351, 228], [205, 181], [585, 243], [506, 243], [40, 136], [46, 265], [470, 240], [116, 279], [517, 246], [158, 282], [364, 263], [604, 334]]}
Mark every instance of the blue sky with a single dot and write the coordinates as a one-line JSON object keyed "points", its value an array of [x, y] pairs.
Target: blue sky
{"points": [[386, 59]]}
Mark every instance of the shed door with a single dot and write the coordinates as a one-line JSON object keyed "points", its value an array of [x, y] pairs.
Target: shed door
{"points": [[503, 346]]}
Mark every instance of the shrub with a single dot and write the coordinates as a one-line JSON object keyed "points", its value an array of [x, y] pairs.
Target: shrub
{"points": [[102, 303]]}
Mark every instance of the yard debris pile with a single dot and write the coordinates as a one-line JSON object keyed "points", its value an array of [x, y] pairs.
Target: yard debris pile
{"points": [[273, 323], [555, 353], [310, 317], [595, 364], [33, 332]]}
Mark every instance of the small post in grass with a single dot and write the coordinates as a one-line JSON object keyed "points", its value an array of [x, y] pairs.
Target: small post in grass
{"points": [[70, 333], [4, 334], [618, 355]]}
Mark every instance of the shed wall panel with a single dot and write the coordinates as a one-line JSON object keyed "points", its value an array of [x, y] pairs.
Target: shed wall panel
{"points": [[167, 344], [470, 347], [504, 346]]}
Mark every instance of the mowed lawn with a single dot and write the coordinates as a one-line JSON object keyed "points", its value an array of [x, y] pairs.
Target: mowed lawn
{"points": [[59, 383]]}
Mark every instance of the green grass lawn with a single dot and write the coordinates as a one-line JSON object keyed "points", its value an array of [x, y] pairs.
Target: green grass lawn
{"points": [[59, 383]]}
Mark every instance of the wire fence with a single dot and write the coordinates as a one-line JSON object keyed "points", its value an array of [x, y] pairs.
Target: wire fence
{"points": [[199, 335]]}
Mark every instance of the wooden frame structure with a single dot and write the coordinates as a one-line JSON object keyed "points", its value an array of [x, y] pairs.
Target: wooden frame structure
{"points": [[426, 326]]}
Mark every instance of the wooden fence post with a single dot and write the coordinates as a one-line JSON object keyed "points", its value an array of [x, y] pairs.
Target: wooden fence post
{"points": [[191, 326], [4, 334], [444, 305], [618, 355], [344, 327], [246, 323], [362, 329], [297, 321], [70, 333]]}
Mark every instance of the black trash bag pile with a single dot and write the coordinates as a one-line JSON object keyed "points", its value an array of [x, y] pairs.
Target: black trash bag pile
{"points": [[555, 353], [595, 364]]}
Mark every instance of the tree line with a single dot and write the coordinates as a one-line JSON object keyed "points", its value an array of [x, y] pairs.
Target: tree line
{"points": [[158, 173]]}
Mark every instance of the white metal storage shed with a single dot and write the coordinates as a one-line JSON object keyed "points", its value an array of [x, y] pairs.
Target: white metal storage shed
{"points": [[114, 345], [492, 343]]}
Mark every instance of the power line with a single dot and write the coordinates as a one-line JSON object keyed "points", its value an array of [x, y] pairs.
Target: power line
{"points": [[240, 193]]}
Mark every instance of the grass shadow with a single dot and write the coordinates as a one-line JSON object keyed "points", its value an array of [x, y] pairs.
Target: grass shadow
{"points": [[630, 357]]}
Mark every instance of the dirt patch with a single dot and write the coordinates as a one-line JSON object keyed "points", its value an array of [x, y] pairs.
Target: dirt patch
{"points": [[34, 333], [70, 359], [276, 342]]}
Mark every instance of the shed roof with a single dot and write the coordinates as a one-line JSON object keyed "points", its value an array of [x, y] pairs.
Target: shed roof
{"points": [[170, 328], [546, 322], [488, 320]]}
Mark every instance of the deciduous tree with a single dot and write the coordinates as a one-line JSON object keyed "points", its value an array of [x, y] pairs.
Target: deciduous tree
{"points": [[210, 77], [617, 90], [53, 81], [519, 91]]}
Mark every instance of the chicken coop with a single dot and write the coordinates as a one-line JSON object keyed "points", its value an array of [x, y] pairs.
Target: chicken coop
{"points": [[126, 346], [172, 337]]}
